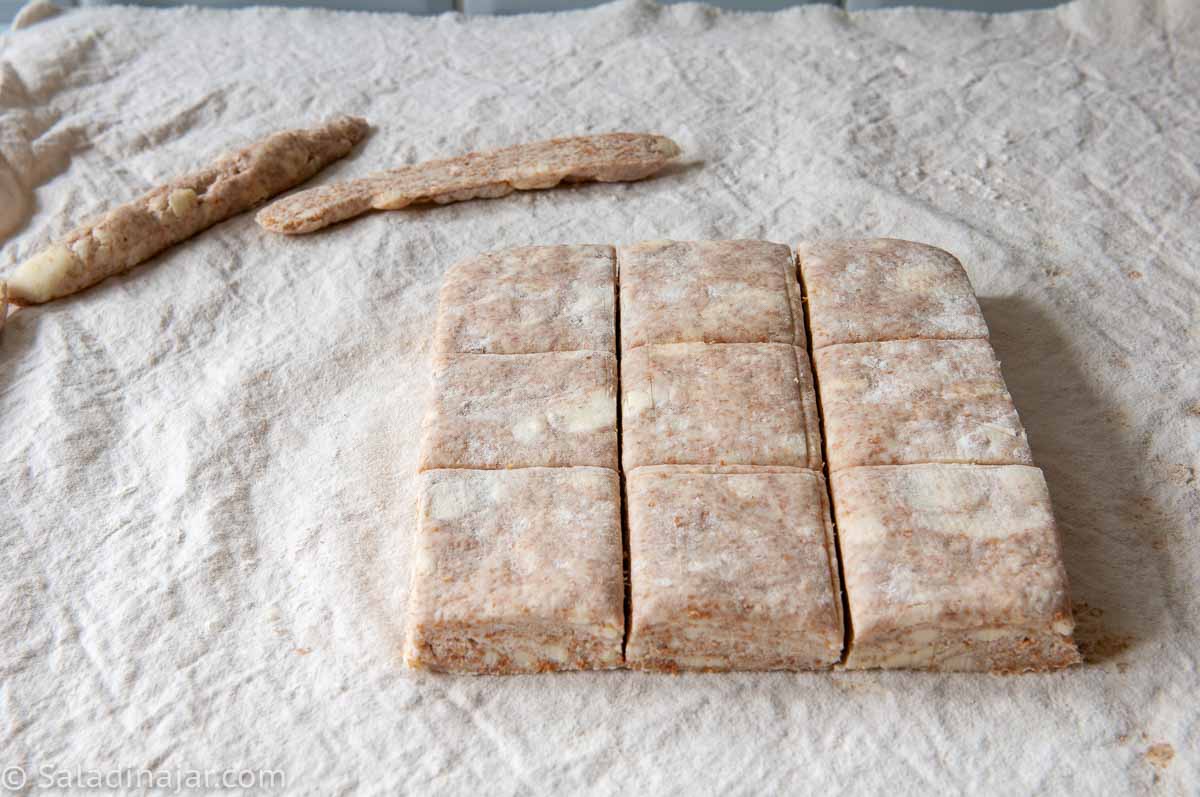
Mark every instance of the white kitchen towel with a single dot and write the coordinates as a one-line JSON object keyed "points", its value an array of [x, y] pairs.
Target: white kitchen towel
{"points": [[206, 465]]}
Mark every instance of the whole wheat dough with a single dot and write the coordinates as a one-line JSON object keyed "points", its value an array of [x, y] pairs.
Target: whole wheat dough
{"points": [[719, 404], [731, 569], [529, 299], [611, 157], [557, 409], [952, 567], [886, 289], [709, 292], [517, 571], [917, 401], [138, 230]]}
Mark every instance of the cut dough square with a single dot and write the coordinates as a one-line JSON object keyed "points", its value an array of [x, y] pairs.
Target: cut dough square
{"points": [[522, 410], [952, 567], [917, 401], [719, 404], [529, 300], [709, 292], [731, 569], [517, 571], [886, 289]]}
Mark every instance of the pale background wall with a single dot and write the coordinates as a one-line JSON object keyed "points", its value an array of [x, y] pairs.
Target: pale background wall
{"points": [[9, 8]]}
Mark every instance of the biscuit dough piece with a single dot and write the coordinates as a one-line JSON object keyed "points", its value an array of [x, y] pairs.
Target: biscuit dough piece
{"points": [[917, 401], [719, 404], [709, 292], [517, 571], [952, 567], [886, 289], [731, 569], [529, 299], [611, 157], [138, 230], [522, 410]]}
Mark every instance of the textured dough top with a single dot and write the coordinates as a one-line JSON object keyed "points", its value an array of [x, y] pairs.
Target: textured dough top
{"points": [[529, 299], [533, 546], [709, 292], [950, 547], [886, 289], [719, 404], [916, 401], [742, 546], [522, 410]]}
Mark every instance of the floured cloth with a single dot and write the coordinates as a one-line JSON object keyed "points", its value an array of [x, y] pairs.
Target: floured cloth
{"points": [[208, 465]]}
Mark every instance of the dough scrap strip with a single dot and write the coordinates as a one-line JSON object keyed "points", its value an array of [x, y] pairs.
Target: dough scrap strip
{"points": [[136, 231], [610, 157]]}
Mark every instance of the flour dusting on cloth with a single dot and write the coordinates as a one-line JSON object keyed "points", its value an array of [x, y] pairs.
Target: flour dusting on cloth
{"points": [[208, 464]]}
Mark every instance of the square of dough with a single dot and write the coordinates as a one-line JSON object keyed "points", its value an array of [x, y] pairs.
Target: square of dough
{"points": [[886, 289], [906, 402], [517, 571], [529, 300], [719, 404], [709, 292], [731, 569], [952, 567], [522, 410]]}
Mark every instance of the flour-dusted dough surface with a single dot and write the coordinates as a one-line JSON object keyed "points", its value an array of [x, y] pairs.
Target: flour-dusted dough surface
{"points": [[877, 289], [517, 571], [529, 299], [718, 404], [709, 292], [557, 409], [917, 401], [731, 569], [952, 567]]}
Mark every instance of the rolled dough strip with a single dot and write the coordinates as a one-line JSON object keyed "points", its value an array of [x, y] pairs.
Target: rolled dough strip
{"points": [[138, 230], [952, 567], [607, 158]]}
